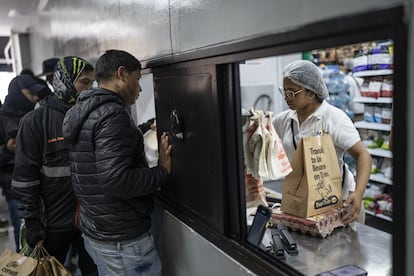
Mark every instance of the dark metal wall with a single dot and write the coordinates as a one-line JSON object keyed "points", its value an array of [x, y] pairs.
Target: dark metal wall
{"points": [[154, 29], [190, 96]]}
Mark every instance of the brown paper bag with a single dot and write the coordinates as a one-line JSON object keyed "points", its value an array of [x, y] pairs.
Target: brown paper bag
{"points": [[58, 268], [50, 266], [43, 268], [315, 185], [12, 263], [5, 256], [47, 264]]}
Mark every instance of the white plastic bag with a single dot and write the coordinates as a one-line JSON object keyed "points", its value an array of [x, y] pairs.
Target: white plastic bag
{"points": [[278, 164], [254, 189], [151, 147], [258, 146]]}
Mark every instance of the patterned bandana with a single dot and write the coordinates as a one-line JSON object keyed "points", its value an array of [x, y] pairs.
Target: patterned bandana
{"points": [[67, 71]]}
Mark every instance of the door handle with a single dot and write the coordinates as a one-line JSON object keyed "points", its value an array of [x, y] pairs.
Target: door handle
{"points": [[176, 125]]}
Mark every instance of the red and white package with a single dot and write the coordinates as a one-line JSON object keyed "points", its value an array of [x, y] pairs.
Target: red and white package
{"points": [[387, 88], [320, 225], [374, 89]]}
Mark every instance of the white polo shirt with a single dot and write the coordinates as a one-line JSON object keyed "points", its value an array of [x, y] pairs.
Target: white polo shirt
{"points": [[328, 118]]}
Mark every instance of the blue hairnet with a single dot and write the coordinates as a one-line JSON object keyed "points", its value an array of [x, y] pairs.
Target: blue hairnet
{"points": [[306, 74]]}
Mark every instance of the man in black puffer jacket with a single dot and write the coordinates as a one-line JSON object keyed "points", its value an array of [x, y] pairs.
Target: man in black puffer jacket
{"points": [[41, 172], [110, 173]]}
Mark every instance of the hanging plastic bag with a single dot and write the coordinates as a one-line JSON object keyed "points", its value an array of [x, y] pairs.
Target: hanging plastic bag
{"points": [[258, 146], [249, 127], [254, 189], [255, 193], [278, 164]]}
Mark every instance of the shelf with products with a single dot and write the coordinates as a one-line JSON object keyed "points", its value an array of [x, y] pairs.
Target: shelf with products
{"points": [[381, 216], [373, 73], [370, 100], [379, 177], [373, 126], [376, 95], [378, 202], [380, 152]]}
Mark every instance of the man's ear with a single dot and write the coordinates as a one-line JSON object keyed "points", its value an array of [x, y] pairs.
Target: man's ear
{"points": [[121, 73]]}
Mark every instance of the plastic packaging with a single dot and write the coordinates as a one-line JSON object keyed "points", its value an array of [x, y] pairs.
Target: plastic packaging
{"points": [[361, 61], [387, 88], [374, 89], [369, 113], [338, 88], [386, 114], [380, 59], [378, 114]]}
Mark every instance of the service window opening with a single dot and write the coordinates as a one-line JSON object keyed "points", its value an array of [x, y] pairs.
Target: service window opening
{"points": [[359, 82]]}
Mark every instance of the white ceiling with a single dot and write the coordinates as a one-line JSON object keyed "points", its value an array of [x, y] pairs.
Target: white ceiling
{"points": [[25, 14]]}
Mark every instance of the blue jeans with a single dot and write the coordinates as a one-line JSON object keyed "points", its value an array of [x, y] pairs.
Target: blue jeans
{"points": [[14, 216], [132, 257]]}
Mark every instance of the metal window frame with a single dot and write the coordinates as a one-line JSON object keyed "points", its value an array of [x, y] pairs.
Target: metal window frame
{"points": [[367, 26]]}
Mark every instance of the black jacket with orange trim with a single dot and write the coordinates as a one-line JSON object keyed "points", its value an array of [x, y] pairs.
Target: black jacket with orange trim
{"points": [[41, 174]]}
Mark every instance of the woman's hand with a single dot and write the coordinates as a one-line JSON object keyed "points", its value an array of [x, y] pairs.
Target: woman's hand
{"points": [[353, 207]]}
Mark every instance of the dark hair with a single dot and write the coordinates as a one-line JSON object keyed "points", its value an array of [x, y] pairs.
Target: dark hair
{"points": [[109, 63], [88, 68], [27, 72]]}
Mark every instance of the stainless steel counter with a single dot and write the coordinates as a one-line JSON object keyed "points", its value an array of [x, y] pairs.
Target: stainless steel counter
{"points": [[357, 244]]}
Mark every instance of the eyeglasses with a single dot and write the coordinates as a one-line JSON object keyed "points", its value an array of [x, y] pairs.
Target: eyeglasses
{"points": [[289, 94]]}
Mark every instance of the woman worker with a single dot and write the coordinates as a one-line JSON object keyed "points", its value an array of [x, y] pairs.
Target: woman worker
{"points": [[305, 92]]}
